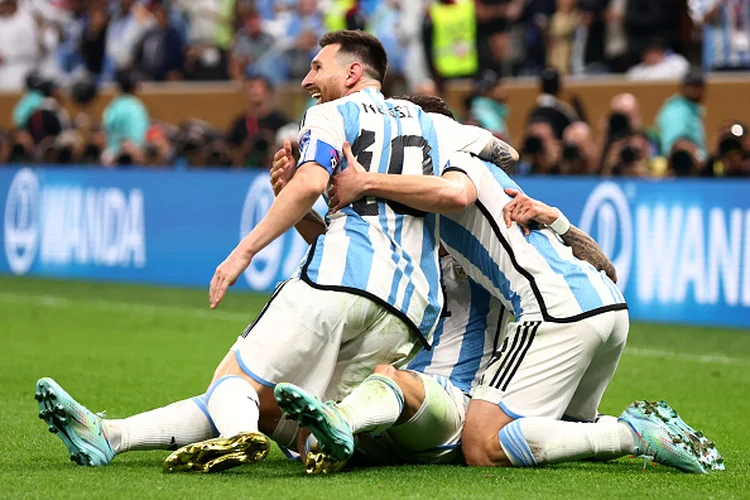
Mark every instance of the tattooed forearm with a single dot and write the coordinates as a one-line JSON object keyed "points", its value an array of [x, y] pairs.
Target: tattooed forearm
{"points": [[585, 248], [311, 226], [500, 153]]}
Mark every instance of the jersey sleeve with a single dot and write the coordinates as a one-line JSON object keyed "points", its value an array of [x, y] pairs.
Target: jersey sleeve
{"points": [[472, 166], [454, 136], [321, 137]]}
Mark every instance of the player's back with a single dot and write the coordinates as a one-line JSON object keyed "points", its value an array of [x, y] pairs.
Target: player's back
{"points": [[374, 247], [536, 276], [471, 329]]}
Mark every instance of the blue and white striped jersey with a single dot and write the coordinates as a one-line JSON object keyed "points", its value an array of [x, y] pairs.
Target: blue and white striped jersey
{"points": [[536, 276], [726, 40], [374, 247], [471, 329]]}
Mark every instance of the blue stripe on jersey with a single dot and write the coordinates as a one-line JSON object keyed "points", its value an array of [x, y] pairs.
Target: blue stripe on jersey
{"points": [[423, 359], [317, 258], [502, 178], [428, 262], [578, 281], [616, 293], [459, 238], [350, 113], [359, 254], [472, 345]]}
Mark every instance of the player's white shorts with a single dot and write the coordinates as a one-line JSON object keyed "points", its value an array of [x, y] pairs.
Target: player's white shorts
{"points": [[431, 436], [555, 369], [326, 342]]}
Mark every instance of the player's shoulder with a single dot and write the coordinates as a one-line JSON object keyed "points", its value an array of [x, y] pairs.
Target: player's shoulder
{"points": [[462, 159]]}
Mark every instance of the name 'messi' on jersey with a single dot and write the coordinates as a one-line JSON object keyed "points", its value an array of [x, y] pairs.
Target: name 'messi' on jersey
{"points": [[376, 248]]}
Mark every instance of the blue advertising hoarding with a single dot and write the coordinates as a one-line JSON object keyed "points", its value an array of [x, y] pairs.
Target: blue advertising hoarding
{"points": [[681, 248]]}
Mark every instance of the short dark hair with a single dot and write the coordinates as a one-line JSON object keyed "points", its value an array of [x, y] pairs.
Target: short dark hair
{"points": [[429, 104], [362, 45], [255, 77]]}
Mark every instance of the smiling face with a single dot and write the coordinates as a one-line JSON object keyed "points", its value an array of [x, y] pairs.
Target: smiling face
{"points": [[330, 75]]}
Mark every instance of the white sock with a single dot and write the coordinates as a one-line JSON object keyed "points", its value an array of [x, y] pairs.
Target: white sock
{"points": [[528, 442], [233, 406], [172, 426], [374, 405]]}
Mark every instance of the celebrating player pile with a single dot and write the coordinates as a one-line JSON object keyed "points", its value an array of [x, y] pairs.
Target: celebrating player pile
{"points": [[368, 296]]}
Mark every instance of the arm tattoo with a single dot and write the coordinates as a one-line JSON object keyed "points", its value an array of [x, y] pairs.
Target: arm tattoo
{"points": [[585, 248], [499, 153]]}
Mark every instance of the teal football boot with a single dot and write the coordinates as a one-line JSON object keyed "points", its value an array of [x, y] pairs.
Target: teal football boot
{"points": [[81, 431], [324, 420], [665, 438]]}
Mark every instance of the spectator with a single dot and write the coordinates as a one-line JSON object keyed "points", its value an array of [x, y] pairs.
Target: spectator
{"points": [[488, 107], [533, 16], [158, 55], [50, 118], [615, 39], [209, 37], [19, 45], [549, 108], [579, 153], [93, 39], [627, 105], [253, 50], [682, 115], [562, 28], [409, 32], [29, 102], [726, 33], [627, 156], [541, 150], [130, 21], [250, 133], [427, 87], [732, 157], [588, 52], [303, 30], [493, 33], [682, 161], [125, 119], [658, 63], [643, 18], [450, 39]]}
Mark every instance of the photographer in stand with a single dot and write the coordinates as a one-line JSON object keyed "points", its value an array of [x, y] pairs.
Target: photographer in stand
{"points": [[253, 133]]}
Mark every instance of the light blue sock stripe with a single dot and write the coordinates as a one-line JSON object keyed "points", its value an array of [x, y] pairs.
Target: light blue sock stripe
{"points": [[519, 446], [509, 447], [523, 445], [200, 402], [216, 384], [392, 385]]}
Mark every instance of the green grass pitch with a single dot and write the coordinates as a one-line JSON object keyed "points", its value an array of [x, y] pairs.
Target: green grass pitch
{"points": [[127, 349]]}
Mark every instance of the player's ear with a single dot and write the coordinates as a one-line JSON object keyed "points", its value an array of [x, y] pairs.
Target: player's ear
{"points": [[354, 74]]}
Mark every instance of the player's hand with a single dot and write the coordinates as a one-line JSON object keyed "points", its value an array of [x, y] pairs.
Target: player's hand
{"points": [[282, 170], [523, 209], [347, 186], [226, 275]]}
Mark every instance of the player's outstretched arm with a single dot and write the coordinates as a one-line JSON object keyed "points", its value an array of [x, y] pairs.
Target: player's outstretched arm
{"points": [[312, 224], [500, 153], [452, 192], [288, 208], [523, 209]]}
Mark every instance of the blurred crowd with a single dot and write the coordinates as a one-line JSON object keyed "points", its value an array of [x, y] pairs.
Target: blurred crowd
{"points": [[558, 138], [559, 141], [48, 47], [434, 39]]}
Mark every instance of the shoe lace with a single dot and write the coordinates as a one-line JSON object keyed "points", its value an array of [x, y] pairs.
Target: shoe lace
{"points": [[646, 456]]}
